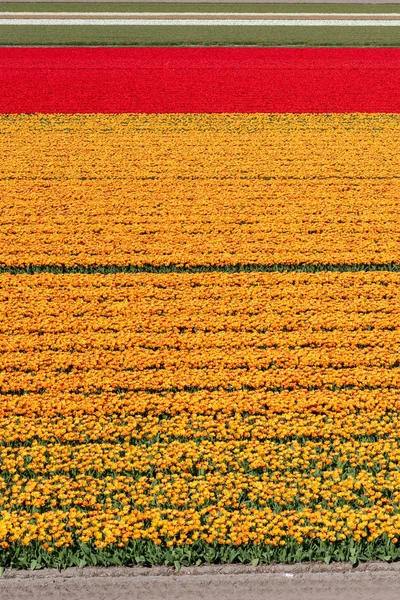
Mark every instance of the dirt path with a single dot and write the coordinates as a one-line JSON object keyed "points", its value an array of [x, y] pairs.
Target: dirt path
{"points": [[89, 16], [376, 581]]}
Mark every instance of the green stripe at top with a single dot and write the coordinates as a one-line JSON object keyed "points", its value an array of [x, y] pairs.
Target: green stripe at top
{"points": [[195, 7]]}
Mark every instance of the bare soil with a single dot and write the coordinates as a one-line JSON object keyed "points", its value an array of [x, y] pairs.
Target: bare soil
{"points": [[370, 581]]}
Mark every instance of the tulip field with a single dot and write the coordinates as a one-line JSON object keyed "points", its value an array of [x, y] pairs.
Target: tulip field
{"points": [[199, 308]]}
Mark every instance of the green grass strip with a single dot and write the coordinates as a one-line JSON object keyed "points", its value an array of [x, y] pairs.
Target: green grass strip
{"points": [[234, 268], [158, 35], [146, 553], [200, 7]]}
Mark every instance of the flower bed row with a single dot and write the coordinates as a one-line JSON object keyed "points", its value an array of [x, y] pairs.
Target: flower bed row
{"points": [[174, 417], [199, 190]]}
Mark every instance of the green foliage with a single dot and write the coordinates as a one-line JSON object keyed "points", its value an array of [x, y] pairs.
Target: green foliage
{"points": [[183, 35], [238, 268], [238, 7], [146, 553]]}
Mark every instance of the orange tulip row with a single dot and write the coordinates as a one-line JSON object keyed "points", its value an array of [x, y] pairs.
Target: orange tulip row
{"points": [[230, 408], [99, 444], [199, 189]]}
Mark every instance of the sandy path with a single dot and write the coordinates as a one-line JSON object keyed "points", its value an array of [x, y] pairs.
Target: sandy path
{"points": [[213, 22], [210, 16], [377, 581]]}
